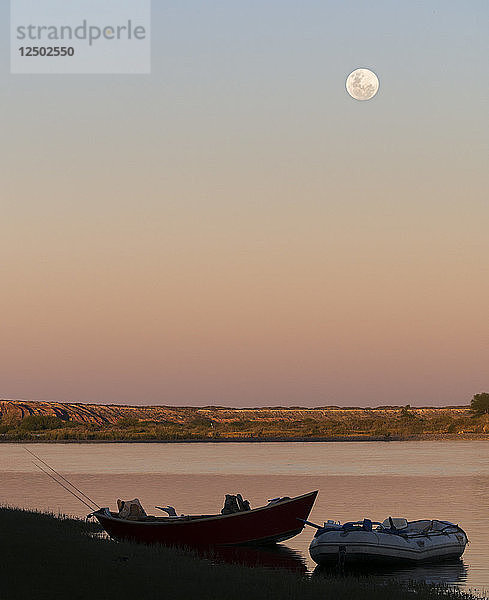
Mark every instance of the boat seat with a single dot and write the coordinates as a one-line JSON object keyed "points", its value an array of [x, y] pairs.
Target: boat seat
{"points": [[130, 509], [397, 522], [235, 504]]}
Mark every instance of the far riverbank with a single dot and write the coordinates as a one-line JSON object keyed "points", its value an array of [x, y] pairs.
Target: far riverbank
{"points": [[70, 422]]}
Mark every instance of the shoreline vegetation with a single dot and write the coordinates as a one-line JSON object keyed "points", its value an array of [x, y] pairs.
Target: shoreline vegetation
{"points": [[44, 556], [72, 422]]}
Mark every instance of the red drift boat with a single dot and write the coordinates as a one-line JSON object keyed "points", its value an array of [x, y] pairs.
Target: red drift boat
{"points": [[278, 521]]}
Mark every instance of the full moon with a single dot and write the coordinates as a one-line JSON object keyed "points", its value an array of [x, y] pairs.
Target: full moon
{"points": [[362, 84]]}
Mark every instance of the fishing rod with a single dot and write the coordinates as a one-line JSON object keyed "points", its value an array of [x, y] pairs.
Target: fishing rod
{"points": [[59, 475], [63, 486]]}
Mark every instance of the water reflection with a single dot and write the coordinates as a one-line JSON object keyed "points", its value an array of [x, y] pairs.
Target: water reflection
{"points": [[269, 557], [453, 572]]}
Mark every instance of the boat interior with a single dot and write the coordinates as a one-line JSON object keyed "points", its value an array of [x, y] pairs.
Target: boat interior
{"points": [[399, 526], [167, 519], [132, 510]]}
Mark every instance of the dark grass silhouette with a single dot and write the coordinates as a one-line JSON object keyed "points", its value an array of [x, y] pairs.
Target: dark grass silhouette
{"points": [[48, 557]]}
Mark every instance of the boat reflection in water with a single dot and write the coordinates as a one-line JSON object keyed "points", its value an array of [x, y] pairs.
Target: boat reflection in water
{"points": [[451, 572], [275, 556]]}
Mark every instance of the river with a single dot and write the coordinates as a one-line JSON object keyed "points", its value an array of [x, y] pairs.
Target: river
{"points": [[443, 479]]}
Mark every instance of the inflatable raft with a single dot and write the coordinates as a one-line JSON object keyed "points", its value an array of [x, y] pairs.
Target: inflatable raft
{"points": [[394, 540]]}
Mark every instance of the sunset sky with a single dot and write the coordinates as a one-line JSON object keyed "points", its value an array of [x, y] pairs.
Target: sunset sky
{"points": [[234, 229]]}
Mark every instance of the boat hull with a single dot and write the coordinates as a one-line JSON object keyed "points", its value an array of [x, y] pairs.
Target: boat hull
{"points": [[266, 525], [360, 547]]}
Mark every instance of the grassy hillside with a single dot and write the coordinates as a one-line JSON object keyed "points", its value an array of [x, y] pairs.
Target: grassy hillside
{"points": [[53, 421]]}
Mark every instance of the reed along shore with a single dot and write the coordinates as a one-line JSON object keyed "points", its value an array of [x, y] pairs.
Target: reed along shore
{"points": [[48, 557]]}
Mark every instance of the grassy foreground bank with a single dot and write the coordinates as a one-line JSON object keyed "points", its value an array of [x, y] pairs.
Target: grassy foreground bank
{"points": [[46, 557]]}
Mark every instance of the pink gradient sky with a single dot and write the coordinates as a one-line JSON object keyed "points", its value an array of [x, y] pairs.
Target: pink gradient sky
{"points": [[235, 230]]}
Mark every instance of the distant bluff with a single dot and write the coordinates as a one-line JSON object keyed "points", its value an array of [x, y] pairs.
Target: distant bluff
{"points": [[100, 414], [93, 414]]}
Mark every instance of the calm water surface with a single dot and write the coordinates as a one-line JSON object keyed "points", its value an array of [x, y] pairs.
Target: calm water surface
{"points": [[445, 480]]}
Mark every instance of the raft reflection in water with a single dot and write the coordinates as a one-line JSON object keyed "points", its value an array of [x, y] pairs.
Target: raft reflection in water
{"points": [[451, 572]]}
